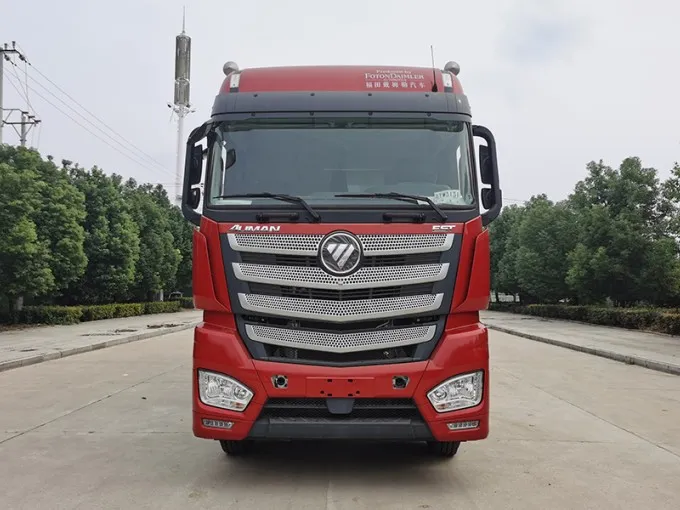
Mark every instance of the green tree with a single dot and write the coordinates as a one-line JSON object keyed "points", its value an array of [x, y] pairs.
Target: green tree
{"points": [[623, 252], [24, 257], [182, 232], [60, 223], [158, 257], [546, 235], [503, 246], [111, 238]]}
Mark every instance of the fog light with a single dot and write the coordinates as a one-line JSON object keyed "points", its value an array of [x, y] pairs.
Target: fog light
{"points": [[218, 424], [218, 390], [460, 392], [463, 425]]}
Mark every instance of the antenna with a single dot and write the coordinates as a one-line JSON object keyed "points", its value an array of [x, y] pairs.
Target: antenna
{"points": [[182, 104], [434, 74]]}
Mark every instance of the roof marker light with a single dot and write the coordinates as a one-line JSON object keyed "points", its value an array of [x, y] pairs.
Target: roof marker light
{"points": [[448, 80], [229, 67], [452, 67], [234, 80]]}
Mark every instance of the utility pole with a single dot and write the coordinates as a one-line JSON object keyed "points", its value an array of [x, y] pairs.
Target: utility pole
{"points": [[25, 125], [27, 121]]}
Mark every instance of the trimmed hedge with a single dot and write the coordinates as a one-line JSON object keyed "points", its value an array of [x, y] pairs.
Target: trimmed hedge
{"points": [[187, 302], [651, 319], [59, 315]]}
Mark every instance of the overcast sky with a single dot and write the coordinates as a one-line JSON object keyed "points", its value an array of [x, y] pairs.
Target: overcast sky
{"points": [[559, 83]]}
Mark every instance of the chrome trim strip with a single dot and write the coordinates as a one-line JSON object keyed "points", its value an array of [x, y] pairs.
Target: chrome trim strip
{"points": [[373, 244], [317, 278], [340, 311], [340, 342]]}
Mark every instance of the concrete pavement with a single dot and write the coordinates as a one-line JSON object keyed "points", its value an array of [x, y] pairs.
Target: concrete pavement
{"points": [[111, 429], [651, 350], [28, 346]]}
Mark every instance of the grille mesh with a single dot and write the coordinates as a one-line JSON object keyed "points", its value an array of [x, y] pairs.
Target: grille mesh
{"points": [[340, 311], [373, 244], [316, 277], [336, 342], [274, 259]]}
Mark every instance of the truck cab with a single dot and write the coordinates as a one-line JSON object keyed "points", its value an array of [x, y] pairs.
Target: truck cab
{"points": [[341, 257]]}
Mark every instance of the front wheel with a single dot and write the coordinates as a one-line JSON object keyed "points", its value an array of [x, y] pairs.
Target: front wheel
{"points": [[444, 448], [235, 447]]}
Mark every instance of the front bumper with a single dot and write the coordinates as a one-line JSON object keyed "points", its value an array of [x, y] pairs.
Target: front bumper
{"points": [[409, 415]]}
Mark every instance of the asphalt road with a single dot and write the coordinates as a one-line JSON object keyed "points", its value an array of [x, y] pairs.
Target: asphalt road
{"points": [[111, 429]]}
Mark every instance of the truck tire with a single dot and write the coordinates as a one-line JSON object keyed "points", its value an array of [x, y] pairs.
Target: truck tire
{"points": [[444, 448], [235, 447]]}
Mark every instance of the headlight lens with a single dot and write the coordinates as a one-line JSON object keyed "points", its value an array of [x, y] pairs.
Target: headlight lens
{"points": [[459, 392], [221, 391]]}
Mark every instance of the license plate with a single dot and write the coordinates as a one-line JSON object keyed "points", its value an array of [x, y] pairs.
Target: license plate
{"points": [[342, 387]]}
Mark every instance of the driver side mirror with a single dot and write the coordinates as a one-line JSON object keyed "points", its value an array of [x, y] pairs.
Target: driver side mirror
{"points": [[488, 170]]}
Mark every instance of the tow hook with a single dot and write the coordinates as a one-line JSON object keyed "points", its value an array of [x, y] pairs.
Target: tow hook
{"points": [[399, 382], [280, 381]]}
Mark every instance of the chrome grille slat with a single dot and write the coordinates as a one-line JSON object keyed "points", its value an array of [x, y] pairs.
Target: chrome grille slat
{"points": [[340, 342], [340, 311], [315, 277], [373, 244]]}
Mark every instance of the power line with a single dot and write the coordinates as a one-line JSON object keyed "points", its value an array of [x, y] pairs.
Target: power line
{"points": [[85, 128], [150, 158], [141, 162]]}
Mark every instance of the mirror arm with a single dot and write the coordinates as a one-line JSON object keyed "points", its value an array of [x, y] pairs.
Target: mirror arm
{"points": [[190, 214]]}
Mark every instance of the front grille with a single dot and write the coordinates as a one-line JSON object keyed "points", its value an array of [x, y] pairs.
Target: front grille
{"points": [[363, 408], [296, 310]]}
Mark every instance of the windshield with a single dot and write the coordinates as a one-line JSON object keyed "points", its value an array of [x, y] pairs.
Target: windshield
{"points": [[317, 159]]}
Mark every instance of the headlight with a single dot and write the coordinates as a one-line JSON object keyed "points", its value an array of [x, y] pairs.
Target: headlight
{"points": [[459, 392], [221, 391]]}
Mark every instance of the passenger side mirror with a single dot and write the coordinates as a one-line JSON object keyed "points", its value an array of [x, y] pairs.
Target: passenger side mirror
{"points": [[196, 165], [492, 199]]}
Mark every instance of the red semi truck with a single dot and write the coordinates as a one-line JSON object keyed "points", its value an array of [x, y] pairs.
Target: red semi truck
{"points": [[341, 257]]}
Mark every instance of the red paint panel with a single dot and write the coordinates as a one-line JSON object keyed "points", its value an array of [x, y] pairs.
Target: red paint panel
{"points": [[204, 291], [220, 320], [338, 78], [479, 286], [356, 228], [211, 231], [470, 232]]}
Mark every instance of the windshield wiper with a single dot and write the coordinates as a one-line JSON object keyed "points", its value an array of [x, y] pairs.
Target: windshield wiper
{"points": [[278, 196], [400, 196]]}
